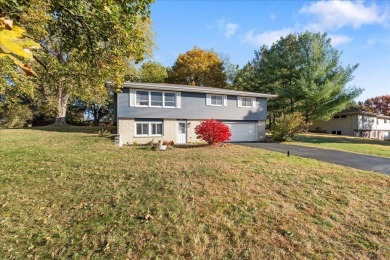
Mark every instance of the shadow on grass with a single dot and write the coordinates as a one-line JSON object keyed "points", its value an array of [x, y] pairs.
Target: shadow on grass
{"points": [[341, 140], [68, 129]]}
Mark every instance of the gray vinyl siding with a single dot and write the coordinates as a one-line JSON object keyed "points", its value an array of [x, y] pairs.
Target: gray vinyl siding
{"points": [[193, 106]]}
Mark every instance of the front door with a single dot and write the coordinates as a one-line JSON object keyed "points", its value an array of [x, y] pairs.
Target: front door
{"points": [[181, 132]]}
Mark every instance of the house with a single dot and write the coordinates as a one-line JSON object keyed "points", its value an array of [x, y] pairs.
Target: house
{"points": [[355, 122], [146, 111]]}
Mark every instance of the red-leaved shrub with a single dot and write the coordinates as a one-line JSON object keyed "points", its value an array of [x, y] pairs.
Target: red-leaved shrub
{"points": [[213, 131]]}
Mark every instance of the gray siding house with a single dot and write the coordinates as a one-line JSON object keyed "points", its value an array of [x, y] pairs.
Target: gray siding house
{"points": [[146, 111], [357, 123]]}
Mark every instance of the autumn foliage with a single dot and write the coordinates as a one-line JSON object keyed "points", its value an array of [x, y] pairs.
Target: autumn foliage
{"points": [[213, 131], [198, 67], [380, 104]]}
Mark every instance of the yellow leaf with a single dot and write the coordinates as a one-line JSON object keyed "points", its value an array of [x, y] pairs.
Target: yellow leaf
{"points": [[11, 41]]}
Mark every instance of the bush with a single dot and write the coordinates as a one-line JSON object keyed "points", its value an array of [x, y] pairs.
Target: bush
{"points": [[213, 131], [285, 127], [16, 116]]}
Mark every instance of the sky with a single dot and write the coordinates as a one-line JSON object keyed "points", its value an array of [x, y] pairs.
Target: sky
{"points": [[359, 29]]}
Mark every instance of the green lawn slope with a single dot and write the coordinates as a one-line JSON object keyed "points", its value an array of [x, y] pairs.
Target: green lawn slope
{"points": [[345, 143]]}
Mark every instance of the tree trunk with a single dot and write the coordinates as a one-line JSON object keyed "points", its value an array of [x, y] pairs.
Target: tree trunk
{"points": [[307, 122], [96, 115], [62, 105]]}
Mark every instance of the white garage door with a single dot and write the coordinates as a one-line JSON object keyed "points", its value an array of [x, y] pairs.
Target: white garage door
{"points": [[243, 132]]}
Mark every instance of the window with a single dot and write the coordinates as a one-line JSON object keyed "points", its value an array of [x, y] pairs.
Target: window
{"points": [[343, 116], [216, 100], [385, 121], [142, 128], [169, 99], [336, 117], [145, 98], [246, 102], [156, 99], [149, 128], [142, 98], [156, 128]]}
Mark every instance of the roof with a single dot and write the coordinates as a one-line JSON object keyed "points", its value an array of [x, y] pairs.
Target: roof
{"points": [[195, 89], [361, 112]]}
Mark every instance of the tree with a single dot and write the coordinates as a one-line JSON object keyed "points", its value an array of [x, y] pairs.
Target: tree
{"points": [[304, 70], [380, 104], [198, 67], [323, 79], [152, 72], [213, 131], [82, 40], [231, 70], [16, 92]]}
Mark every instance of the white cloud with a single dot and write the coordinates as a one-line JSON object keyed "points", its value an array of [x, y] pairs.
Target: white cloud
{"points": [[228, 29], [267, 37], [330, 15], [339, 39]]}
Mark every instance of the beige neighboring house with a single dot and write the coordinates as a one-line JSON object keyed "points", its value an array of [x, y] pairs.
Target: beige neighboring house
{"points": [[357, 123]]}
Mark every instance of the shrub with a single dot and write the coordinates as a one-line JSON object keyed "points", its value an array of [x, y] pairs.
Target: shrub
{"points": [[286, 126], [213, 131], [168, 143], [16, 116]]}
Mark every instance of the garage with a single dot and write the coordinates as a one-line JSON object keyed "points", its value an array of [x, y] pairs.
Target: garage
{"points": [[243, 132]]}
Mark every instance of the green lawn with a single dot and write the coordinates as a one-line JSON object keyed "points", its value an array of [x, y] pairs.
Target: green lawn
{"points": [[75, 195], [345, 143]]}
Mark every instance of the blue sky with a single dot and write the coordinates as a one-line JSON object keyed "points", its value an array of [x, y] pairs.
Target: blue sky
{"points": [[360, 29]]}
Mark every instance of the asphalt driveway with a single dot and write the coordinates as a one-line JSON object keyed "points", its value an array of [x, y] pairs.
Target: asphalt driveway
{"points": [[358, 161]]}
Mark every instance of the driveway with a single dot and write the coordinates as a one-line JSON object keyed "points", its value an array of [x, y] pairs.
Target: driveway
{"points": [[358, 161]]}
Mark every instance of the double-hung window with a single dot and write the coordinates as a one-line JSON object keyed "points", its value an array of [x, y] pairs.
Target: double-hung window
{"points": [[155, 99], [169, 99], [246, 102], [149, 128], [142, 98], [216, 100]]}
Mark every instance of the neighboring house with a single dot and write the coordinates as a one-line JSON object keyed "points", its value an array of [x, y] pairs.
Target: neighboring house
{"points": [[356, 123], [146, 112]]}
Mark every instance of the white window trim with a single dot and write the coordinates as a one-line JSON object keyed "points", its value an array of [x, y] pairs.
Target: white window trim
{"points": [[176, 99], [208, 100], [252, 100], [150, 98], [149, 128], [133, 98], [136, 98], [135, 129]]}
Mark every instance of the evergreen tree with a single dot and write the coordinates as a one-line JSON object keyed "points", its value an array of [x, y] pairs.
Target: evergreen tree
{"points": [[323, 79], [304, 70]]}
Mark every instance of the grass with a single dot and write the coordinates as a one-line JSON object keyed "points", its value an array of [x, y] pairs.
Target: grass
{"points": [[345, 143], [70, 194]]}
